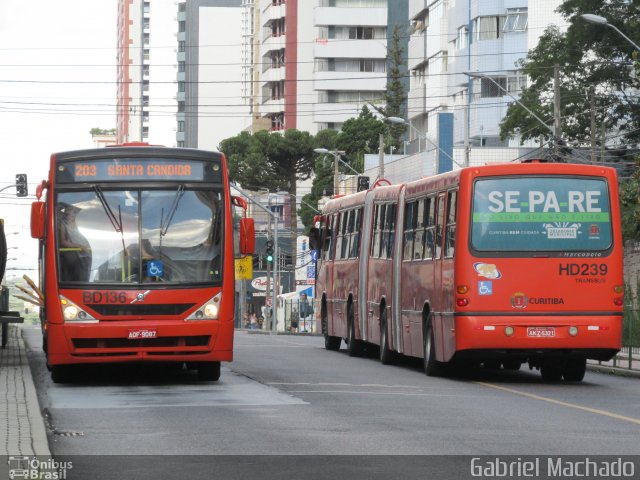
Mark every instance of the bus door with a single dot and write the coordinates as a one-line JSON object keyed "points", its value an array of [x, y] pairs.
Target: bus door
{"points": [[447, 273], [438, 259]]}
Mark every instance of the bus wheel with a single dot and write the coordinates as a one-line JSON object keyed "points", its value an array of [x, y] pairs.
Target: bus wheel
{"points": [[574, 369], [61, 373], [551, 373], [209, 371], [432, 367], [354, 346], [386, 355], [330, 342]]}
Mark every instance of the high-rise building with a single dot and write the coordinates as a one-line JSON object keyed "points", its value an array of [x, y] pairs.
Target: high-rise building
{"points": [[146, 71], [350, 59], [210, 72], [451, 39]]}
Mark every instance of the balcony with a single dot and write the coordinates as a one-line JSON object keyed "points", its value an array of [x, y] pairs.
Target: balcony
{"points": [[417, 50], [350, 49], [272, 43], [272, 106], [273, 12], [273, 75], [416, 100], [356, 81], [335, 112], [375, 17], [416, 7]]}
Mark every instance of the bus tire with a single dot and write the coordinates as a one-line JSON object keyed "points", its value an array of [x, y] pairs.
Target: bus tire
{"points": [[61, 373], [209, 371], [354, 346], [574, 369], [551, 373], [432, 368], [386, 355], [330, 342]]}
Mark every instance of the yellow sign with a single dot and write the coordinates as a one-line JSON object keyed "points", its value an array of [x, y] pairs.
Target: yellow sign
{"points": [[244, 268]]}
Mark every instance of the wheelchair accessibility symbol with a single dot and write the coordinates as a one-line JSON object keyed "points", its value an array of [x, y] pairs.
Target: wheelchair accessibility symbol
{"points": [[155, 268], [485, 288]]}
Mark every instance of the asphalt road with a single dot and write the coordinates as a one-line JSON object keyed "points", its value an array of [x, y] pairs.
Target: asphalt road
{"points": [[286, 396]]}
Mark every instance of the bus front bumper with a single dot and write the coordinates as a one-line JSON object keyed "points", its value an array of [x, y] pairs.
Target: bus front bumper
{"points": [[134, 341]]}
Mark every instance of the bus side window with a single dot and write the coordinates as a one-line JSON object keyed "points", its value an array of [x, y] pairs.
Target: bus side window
{"points": [[390, 227], [450, 234], [409, 230], [439, 225], [328, 237], [346, 222], [429, 223], [377, 226], [355, 236]]}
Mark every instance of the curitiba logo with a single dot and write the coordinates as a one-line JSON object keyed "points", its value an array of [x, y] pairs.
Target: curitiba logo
{"points": [[519, 300]]}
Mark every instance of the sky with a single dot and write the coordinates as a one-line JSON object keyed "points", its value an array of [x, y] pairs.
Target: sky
{"points": [[57, 82]]}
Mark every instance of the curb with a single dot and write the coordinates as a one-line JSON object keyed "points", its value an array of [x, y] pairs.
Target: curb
{"points": [[623, 372], [39, 441]]}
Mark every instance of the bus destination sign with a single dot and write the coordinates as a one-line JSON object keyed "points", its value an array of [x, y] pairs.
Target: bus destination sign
{"points": [[114, 170]]}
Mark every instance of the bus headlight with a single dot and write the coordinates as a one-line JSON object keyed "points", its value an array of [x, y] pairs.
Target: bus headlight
{"points": [[209, 311], [72, 313], [573, 331]]}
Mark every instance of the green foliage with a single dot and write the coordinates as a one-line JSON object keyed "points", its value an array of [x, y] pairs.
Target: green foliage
{"points": [[395, 96], [360, 136], [589, 56], [102, 131], [630, 206], [631, 321]]}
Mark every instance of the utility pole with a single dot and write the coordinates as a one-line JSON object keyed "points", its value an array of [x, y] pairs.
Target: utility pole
{"points": [[557, 132], [592, 102], [381, 156]]}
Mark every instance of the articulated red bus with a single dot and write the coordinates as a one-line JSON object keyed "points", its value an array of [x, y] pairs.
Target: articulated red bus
{"points": [[497, 265], [136, 258]]}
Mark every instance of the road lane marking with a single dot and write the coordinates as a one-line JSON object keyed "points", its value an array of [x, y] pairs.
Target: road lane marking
{"points": [[362, 392], [564, 404]]}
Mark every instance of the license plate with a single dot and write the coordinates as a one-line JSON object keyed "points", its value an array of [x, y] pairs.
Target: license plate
{"points": [[541, 332], [144, 333]]}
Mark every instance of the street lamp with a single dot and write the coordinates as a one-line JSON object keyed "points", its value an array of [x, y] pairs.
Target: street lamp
{"points": [[598, 20], [402, 121], [336, 171]]}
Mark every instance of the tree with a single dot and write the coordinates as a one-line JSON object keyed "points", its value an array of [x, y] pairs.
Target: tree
{"points": [[589, 56], [271, 160], [395, 96], [102, 131], [360, 136]]}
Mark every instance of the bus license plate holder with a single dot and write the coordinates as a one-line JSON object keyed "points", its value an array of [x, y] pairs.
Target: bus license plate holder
{"points": [[142, 333], [541, 332]]}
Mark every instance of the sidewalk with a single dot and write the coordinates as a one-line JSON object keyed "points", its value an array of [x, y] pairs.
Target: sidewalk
{"points": [[620, 365], [24, 431]]}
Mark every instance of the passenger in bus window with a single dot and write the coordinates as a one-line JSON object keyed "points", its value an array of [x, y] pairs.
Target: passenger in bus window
{"points": [[74, 248]]}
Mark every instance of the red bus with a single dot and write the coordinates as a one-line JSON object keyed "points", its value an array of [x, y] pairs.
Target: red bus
{"points": [[497, 265], [136, 258]]}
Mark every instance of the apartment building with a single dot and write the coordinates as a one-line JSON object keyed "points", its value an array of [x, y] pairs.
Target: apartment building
{"points": [[454, 38], [146, 71]]}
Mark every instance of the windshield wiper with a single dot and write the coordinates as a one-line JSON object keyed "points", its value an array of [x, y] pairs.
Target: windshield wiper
{"points": [[115, 221], [172, 211]]}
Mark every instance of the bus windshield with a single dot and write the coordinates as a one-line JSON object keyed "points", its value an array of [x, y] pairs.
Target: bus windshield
{"points": [[170, 235], [532, 214]]}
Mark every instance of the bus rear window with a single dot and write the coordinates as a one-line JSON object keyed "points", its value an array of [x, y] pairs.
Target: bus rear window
{"points": [[530, 214]]}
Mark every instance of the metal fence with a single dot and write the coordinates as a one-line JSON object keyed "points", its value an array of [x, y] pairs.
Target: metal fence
{"points": [[296, 322]]}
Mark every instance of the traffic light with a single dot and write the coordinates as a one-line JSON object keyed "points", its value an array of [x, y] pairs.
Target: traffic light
{"points": [[269, 251], [22, 190], [363, 183]]}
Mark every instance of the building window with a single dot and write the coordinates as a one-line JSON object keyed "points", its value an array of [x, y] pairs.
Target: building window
{"points": [[146, 7], [182, 7], [182, 26], [361, 33], [462, 38], [517, 20], [181, 144], [182, 46], [181, 106], [181, 86], [488, 28], [489, 89], [182, 66], [181, 125], [516, 83], [145, 54]]}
